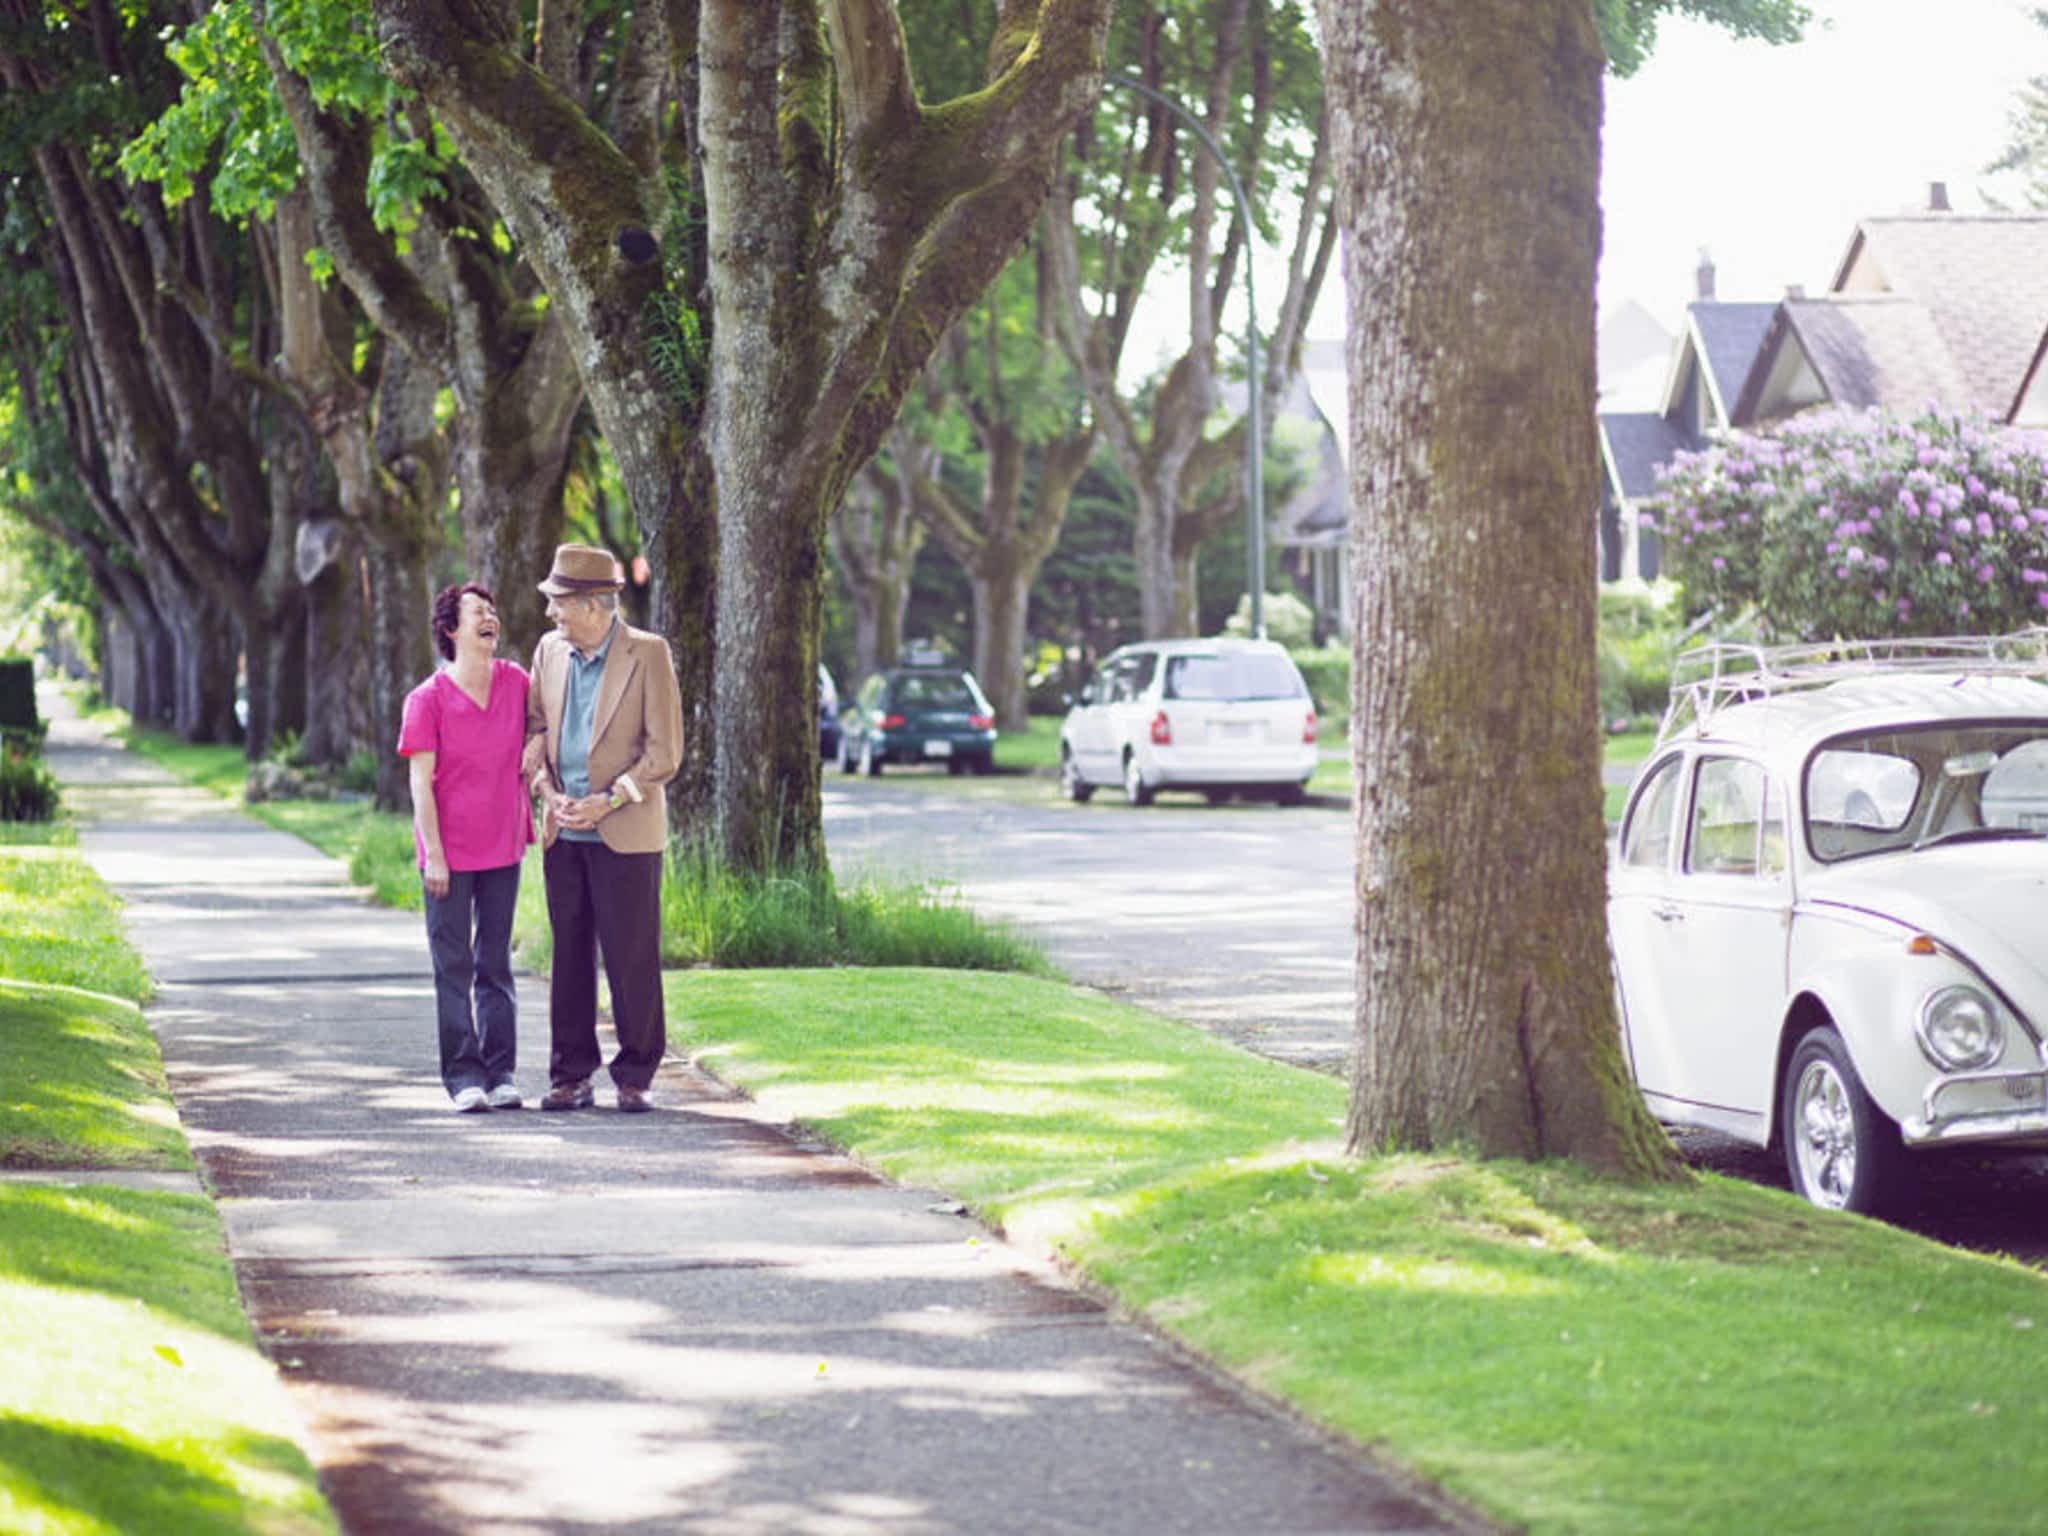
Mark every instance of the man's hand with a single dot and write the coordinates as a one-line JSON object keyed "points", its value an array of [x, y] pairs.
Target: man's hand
{"points": [[583, 815]]}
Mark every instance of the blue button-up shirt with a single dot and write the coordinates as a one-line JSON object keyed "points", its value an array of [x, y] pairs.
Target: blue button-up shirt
{"points": [[579, 714]]}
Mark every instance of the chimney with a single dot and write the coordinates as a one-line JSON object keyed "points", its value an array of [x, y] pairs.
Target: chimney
{"points": [[1795, 290], [1937, 197], [1704, 275]]}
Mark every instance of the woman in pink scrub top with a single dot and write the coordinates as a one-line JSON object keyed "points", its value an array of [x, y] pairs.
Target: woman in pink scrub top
{"points": [[472, 821]]}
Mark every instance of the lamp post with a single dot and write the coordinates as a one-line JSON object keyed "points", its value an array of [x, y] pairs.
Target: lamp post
{"points": [[1255, 455]]}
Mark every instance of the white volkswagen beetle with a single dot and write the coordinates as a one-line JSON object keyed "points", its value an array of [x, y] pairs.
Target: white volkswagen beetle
{"points": [[1828, 905]]}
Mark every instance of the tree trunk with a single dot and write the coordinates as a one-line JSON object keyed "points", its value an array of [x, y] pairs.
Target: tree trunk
{"points": [[875, 540], [335, 676], [1002, 593], [401, 653], [1467, 154]]}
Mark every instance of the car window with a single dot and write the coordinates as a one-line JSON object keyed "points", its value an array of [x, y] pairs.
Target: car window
{"points": [[2016, 789], [930, 691], [1144, 666], [1646, 841], [1726, 830], [1121, 687], [1234, 675], [1862, 787]]}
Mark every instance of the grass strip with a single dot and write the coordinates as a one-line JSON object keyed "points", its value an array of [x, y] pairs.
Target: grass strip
{"points": [[63, 925], [82, 1084], [134, 1397], [1565, 1353]]}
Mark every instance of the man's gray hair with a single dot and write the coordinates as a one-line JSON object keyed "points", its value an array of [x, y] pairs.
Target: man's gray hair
{"points": [[607, 602]]}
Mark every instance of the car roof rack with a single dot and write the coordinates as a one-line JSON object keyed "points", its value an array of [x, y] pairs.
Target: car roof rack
{"points": [[1710, 678]]}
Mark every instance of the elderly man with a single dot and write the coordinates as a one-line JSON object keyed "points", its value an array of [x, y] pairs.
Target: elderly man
{"points": [[604, 727]]}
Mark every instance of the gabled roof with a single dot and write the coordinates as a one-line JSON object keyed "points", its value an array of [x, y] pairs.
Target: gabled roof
{"points": [[1983, 280], [1872, 350], [1634, 445], [1720, 340], [1729, 337]]}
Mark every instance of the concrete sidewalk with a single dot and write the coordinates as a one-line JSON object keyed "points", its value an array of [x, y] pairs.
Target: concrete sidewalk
{"points": [[685, 1321]]}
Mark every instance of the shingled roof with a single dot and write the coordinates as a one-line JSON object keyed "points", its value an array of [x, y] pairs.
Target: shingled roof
{"points": [[1866, 350], [1635, 445], [1728, 337]]}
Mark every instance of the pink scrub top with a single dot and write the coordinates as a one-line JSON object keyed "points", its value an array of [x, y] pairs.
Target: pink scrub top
{"points": [[486, 817]]}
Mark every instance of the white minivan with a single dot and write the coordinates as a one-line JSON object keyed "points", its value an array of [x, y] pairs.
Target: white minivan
{"points": [[1224, 717]]}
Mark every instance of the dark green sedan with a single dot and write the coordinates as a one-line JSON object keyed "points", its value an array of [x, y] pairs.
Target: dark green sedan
{"points": [[918, 715]]}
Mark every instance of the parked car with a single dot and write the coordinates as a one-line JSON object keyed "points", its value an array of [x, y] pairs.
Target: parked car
{"points": [[1828, 906], [920, 714], [1225, 717], [828, 714]]}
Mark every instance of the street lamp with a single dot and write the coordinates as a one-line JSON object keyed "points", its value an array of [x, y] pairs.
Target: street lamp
{"points": [[1255, 455]]}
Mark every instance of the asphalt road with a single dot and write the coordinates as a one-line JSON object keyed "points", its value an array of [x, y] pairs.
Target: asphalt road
{"points": [[1237, 919], [1234, 918]]}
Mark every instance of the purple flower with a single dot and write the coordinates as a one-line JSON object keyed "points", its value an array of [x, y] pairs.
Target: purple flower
{"points": [[1943, 557], [1720, 564], [1961, 525], [1856, 555], [1834, 546], [2032, 577], [2041, 598], [1985, 573], [1985, 525]]}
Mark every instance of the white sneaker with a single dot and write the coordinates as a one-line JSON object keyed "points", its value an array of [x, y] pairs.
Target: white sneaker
{"points": [[505, 1096], [471, 1101]]}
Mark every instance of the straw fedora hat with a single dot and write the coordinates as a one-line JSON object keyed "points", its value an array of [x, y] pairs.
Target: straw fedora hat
{"points": [[581, 570]]}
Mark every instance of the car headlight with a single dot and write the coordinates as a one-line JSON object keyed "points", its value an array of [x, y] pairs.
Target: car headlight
{"points": [[1959, 1030]]}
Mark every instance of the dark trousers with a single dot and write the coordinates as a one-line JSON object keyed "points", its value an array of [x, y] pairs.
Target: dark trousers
{"points": [[601, 900], [469, 932]]}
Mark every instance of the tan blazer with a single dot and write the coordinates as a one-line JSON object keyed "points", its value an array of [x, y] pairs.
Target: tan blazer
{"points": [[636, 734]]}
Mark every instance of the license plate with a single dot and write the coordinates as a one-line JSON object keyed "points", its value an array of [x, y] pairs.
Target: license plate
{"points": [[1231, 730], [938, 749]]}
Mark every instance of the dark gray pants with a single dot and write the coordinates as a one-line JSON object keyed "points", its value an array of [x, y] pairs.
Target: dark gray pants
{"points": [[470, 933]]}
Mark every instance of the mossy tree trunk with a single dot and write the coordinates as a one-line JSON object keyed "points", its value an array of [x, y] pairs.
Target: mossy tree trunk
{"points": [[1467, 152], [477, 319], [846, 225]]}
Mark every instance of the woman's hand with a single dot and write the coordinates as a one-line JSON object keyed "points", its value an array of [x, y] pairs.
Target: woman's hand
{"points": [[435, 876]]}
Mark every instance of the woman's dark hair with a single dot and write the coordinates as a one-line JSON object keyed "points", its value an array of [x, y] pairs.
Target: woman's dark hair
{"points": [[448, 615]]}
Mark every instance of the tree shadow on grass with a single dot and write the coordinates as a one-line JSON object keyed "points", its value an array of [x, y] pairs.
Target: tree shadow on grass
{"points": [[83, 1477], [163, 1250]]}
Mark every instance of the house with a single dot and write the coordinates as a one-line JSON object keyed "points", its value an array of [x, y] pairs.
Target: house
{"points": [[1930, 307], [1709, 362]]}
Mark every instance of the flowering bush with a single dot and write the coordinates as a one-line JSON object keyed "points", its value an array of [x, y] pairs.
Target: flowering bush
{"points": [[1864, 525]]}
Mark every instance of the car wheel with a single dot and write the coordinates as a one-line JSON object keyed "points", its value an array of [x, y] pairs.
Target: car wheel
{"points": [[1842, 1152], [1072, 785], [1290, 794], [1136, 790], [1218, 796], [986, 763], [846, 763], [955, 766], [870, 760]]}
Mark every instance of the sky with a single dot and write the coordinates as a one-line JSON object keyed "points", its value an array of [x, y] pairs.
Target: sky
{"points": [[1767, 156]]}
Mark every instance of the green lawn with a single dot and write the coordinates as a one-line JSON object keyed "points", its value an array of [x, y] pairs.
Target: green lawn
{"points": [[134, 1398], [1568, 1354], [61, 923], [82, 1084]]}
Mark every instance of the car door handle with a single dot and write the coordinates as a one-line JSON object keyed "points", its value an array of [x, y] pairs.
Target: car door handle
{"points": [[1668, 914]]}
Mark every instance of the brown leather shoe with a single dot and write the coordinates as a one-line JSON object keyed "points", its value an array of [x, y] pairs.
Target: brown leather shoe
{"points": [[634, 1101], [574, 1094]]}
